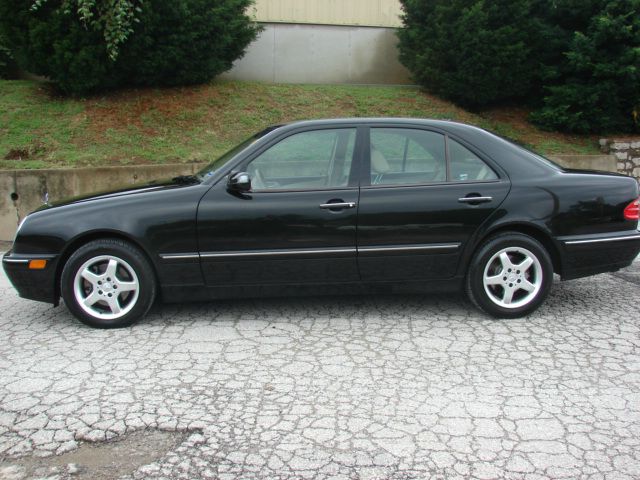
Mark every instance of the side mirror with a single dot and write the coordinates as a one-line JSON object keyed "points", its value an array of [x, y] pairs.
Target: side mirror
{"points": [[239, 182]]}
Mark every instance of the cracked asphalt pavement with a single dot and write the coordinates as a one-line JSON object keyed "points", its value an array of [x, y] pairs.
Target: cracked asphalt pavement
{"points": [[378, 387]]}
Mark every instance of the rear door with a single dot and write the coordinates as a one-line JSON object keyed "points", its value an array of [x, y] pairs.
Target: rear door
{"points": [[423, 197]]}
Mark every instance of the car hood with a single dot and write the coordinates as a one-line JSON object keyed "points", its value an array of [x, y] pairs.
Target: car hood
{"points": [[123, 190]]}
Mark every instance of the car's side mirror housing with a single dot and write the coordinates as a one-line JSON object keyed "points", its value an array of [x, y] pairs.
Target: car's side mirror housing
{"points": [[239, 182]]}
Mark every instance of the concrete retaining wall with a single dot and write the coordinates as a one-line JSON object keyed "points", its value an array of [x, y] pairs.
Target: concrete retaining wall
{"points": [[22, 191], [605, 163]]}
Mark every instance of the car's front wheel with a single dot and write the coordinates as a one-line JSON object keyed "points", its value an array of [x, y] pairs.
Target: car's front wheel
{"points": [[510, 275], [108, 283]]}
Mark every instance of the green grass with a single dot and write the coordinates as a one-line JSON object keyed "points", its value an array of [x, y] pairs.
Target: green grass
{"points": [[198, 124]]}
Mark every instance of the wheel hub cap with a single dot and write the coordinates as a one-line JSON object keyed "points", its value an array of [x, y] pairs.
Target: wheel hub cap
{"points": [[512, 277], [106, 287]]}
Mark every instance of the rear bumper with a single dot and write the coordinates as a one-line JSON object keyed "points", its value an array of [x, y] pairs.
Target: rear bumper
{"points": [[36, 285], [587, 255]]}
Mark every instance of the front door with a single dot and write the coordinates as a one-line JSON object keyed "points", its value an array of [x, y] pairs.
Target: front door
{"points": [[297, 225], [424, 197]]}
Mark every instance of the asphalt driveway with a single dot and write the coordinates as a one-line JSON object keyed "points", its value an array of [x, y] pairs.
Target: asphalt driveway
{"points": [[373, 387]]}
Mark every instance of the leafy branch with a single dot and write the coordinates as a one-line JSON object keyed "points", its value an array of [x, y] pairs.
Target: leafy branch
{"points": [[115, 19]]}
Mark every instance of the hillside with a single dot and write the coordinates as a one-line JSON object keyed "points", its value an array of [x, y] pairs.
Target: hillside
{"points": [[38, 129]]}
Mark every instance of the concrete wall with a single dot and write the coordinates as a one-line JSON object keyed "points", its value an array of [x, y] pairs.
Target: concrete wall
{"points": [[289, 53], [384, 13], [22, 191], [605, 163]]}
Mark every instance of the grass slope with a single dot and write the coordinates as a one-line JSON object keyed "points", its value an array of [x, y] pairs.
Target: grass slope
{"points": [[199, 123]]}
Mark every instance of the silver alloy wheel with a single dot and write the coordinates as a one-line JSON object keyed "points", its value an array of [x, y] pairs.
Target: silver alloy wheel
{"points": [[106, 287], [513, 277]]}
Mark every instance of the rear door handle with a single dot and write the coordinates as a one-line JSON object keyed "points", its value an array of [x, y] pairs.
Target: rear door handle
{"points": [[476, 200], [337, 205]]}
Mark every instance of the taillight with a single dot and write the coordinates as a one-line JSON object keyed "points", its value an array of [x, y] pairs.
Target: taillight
{"points": [[632, 212]]}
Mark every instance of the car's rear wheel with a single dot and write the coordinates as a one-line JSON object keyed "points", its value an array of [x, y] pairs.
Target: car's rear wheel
{"points": [[510, 275], [108, 283]]}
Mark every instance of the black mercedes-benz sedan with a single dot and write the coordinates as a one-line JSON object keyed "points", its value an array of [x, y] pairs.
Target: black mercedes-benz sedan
{"points": [[334, 206]]}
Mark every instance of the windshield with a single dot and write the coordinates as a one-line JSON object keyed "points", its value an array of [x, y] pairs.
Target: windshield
{"points": [[214, 166]]}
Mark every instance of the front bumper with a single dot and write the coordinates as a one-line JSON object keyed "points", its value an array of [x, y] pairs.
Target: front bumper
{"points": [[587, 255], [39, 285]]}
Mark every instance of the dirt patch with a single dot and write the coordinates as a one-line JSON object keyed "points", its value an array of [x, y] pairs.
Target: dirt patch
{"points": [[25, 153], [128, 108], [96, 461]]}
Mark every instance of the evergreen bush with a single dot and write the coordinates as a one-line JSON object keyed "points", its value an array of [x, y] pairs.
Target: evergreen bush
{"points": [[177, 42]]}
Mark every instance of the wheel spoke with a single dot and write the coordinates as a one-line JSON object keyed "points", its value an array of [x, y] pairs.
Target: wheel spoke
{"points": [[92, 299], [114, 304], [525, 265], [505, 261], [508, 295], [127, 286], [111, 269], [90, 277], [495, 280], [528, 286]]}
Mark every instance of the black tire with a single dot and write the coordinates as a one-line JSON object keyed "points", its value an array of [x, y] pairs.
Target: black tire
{"points": [[134, 278], [529, 288]]}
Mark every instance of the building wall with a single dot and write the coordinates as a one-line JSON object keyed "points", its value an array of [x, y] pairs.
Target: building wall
{"points": [[380, 13], [306, 53]]}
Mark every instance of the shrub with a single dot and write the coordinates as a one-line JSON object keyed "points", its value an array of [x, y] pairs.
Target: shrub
{"points": [[598, 90], [474, 52], [174, 42], [576, 62]]}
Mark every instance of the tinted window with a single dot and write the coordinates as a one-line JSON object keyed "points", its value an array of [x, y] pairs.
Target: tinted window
{"points": [[308, 160], [466, 166], [406, 156]]}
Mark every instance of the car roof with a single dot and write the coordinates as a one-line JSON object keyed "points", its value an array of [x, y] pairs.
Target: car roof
{"points": [[374, 120]]}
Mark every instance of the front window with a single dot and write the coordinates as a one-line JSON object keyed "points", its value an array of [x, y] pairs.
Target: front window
{"points": [[306, 161]]}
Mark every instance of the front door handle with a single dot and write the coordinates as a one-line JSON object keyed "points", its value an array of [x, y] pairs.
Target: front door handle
{"points": [[475, 200], [337, 205]]}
